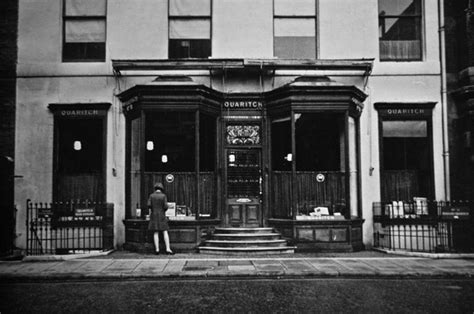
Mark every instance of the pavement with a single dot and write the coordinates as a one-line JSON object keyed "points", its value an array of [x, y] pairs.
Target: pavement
{"points": [[198, 266]]}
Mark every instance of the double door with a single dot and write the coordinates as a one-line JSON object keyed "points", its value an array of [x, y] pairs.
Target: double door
{"points": [[244, 187]]}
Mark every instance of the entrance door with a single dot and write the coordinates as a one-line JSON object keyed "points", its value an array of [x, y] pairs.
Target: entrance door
{"points": [[244, 187]]}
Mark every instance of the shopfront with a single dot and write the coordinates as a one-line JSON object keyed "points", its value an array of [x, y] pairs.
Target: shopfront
{"points": [[286, 158]]}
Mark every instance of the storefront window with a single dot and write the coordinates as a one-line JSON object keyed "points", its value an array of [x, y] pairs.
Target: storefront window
{"points": [[170, 138], [79, 159], [406, 155], [320, 166], [177, 149], [281, 157]]}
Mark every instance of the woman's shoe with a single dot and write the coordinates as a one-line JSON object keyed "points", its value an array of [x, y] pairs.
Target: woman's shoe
{"points": [[157, 253], [169, 253]]}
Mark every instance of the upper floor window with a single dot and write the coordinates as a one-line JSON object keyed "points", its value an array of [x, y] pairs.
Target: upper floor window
{"points": [[400, 30], [189, 29], [84, 30], [294, 28]]}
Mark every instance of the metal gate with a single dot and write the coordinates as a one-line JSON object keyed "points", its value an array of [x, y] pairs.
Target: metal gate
{"points": [[68, 227]]}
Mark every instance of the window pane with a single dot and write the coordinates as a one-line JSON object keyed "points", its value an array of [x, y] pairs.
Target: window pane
{"points": [[80, 146], [84, 51], [85, 7], [190, 7], [400, 28], [405, 129], [207, 142], [399, 7], [190, 29], [170, 141], [295, 47], [193, 48], [281, 143], [292, 27], [319, 138], [400, 39], [85, 31], [295, 7]]}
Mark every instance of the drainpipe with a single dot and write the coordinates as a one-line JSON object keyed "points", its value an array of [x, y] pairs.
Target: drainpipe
{"points": [[444, 101]]}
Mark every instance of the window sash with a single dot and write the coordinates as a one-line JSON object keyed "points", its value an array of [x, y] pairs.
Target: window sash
{"points": [[295, 47], [85, 7], [399, 7], [190, 7], [294, 8], [190, 29], [294, 27], [84, 31], [404, 128]]}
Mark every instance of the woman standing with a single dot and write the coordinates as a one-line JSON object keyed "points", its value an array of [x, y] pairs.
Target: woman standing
{"points": [[158, 204]]}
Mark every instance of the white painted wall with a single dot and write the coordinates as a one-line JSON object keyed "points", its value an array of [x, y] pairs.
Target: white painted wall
{"points": [[409, 89], [242, 29], [137, 29], [34, 141], [348, 29]]}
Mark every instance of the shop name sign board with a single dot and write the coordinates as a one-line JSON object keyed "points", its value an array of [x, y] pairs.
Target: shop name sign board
{"points": [[242, 105], [81, 112], [406, 112]]}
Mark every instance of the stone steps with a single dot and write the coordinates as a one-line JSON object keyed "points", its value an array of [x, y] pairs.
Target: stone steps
{"points": [[235, 241]]}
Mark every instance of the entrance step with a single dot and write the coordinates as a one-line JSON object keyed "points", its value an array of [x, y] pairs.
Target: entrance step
{"points": [[246, 236], [245, 243], [241, 251], [243, 230], [235, 241]]}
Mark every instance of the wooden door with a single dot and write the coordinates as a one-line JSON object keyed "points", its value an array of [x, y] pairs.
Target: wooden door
{"points": [[244, 187]]}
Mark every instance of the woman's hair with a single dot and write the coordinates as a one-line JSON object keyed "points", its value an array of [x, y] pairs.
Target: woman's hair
{"points": [[159, 186]]}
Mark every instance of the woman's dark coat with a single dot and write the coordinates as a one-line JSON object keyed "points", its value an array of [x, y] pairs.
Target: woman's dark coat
{"points": [[158, 204]]}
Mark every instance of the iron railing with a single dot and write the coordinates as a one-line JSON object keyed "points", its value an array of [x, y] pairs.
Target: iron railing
{"points": [[68, 227], [424, 226]]}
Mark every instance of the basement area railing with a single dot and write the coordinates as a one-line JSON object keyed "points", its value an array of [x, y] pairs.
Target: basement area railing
{"points": [[424, 226], [69, 227]]}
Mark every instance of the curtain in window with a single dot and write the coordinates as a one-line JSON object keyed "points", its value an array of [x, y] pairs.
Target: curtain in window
{"points": [[190, 7], [85, 7], [190, 29], [405, 129], [295, 38], [295, 7], [82, 31]]}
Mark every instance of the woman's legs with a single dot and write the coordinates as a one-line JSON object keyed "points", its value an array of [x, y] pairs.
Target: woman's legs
{"points": [[167, 241], [156, 240]]}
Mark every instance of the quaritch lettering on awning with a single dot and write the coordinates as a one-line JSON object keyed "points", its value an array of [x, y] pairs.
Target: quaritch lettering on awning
{"points": [[91, 112], [409, 111], [238, 105]]}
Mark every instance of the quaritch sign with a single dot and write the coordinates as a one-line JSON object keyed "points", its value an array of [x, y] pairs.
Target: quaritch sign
{"points": [[245, 105]]}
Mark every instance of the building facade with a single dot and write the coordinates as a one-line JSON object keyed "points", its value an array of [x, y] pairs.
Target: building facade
{"points": [[298, 115]]}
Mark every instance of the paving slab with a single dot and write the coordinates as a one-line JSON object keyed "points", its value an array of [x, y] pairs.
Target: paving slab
{"points": [[123, 266], [94, 266], [235, 262], [174, 266], [150, 267], [355, 267], [65, 267], [241, 268], [298, 266]]}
